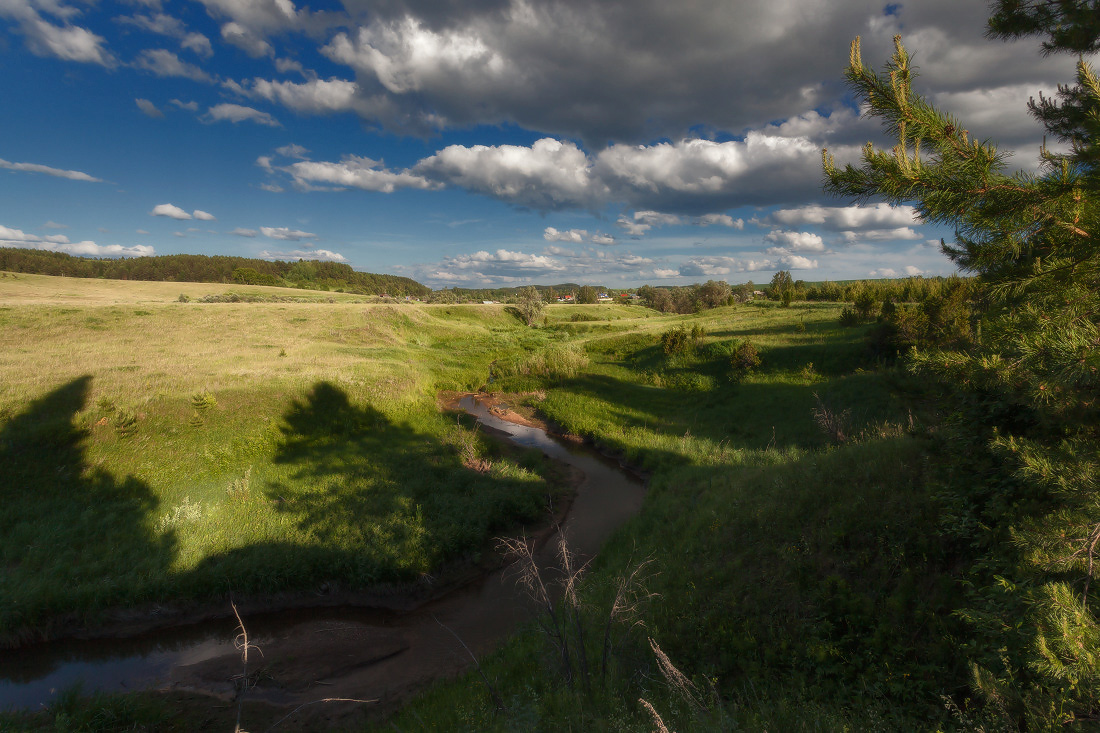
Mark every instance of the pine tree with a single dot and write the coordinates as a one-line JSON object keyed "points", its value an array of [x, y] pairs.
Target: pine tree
{"points": [[1034, 368]]}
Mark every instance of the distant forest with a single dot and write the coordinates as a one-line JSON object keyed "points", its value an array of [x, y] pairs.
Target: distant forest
{"points": [[307, 274], [548, 292]]}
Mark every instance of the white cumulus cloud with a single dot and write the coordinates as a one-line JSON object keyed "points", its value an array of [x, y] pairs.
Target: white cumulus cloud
{"points": [[148, 108], [847, 218], [550, 174], [245, 39], [286, 234], [171, 211], [550, 234], [798, 262], [198, 43], [642, 221], [67, 42], [305, 254], [721, 266], [47, 170], [796, 241], [10, 237], [238, 113], [881, 235], [355, 172], [161, 62]]}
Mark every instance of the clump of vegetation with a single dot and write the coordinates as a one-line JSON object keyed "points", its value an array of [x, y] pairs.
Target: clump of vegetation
{"points": [[126, 423], [743, 361], [582, 636], [692, 298], [835, 424], [783, 288], [530, 305], [555, 361], [203, 401], [849, 317], [186, 512], [241, 488], [681, 340], [676, 341]]}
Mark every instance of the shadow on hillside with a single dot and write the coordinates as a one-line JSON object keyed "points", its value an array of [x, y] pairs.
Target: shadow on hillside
{"points": [[743, 414], [68, 525], [774, 408], [825, 570]]}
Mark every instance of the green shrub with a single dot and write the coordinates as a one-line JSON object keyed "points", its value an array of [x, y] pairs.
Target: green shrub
{"points": [[677, 341], [125, 423], [848, 317], [865, 303], [745, 359]]}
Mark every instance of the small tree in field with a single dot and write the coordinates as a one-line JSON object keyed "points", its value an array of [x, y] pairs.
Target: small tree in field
{"points": [[782, 287], [530, 305], [744, 359]]}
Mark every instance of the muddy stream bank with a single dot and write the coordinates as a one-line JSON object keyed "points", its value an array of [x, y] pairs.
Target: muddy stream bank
{"points": [[345, 651]]}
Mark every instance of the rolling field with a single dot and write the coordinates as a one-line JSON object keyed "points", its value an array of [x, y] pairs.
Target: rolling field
{"points": [[173, 451], [162, 451]]}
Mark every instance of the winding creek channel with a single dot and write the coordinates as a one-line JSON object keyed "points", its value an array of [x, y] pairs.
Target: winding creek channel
{"points": [[357, 652]]}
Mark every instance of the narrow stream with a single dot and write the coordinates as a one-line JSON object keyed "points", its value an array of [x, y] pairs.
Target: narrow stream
{"points": [[328, 652]]}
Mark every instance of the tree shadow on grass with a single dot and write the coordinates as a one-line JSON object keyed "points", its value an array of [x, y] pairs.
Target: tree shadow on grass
{"points": [[774, 408], [383, 501], [75, 539]]}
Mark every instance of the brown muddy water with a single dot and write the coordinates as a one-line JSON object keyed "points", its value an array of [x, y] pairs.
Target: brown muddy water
{"points": [[363, 653]]}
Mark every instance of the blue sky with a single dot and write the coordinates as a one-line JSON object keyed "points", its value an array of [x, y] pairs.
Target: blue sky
{"points": [[481, 142]]}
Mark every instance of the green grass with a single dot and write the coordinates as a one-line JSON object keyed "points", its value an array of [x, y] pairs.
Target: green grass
{"points": [[800, 584], [200, 448]]}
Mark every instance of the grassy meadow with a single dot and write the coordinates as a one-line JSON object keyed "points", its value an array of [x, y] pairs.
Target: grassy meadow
{"points": [[159, 451], [796, 576], [798, 579]]}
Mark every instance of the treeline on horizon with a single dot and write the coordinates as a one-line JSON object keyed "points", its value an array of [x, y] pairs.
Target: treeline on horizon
{"points": [[306, 274], [715, 293], [549, 293]]}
